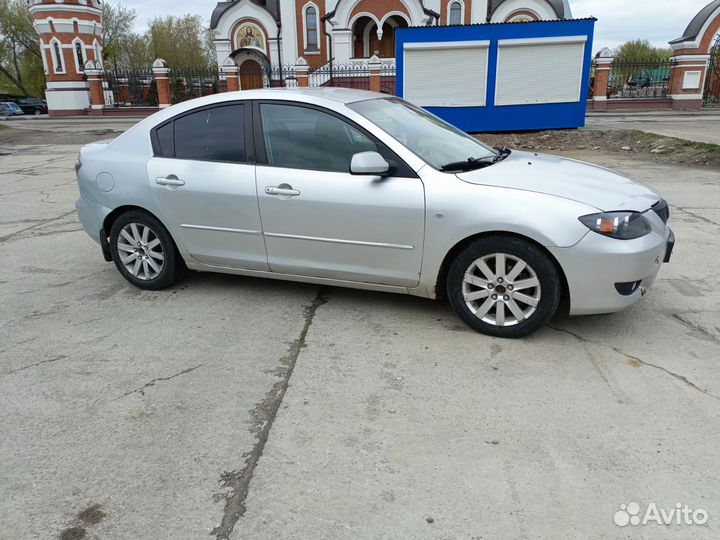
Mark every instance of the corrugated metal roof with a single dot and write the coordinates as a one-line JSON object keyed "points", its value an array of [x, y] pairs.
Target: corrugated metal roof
{"points": [[499, 23]]}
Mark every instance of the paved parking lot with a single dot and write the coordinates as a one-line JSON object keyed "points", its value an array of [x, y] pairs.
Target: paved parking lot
{"points": [[232, 407]]}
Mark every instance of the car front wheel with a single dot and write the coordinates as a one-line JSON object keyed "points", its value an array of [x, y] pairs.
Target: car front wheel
{"points": [[144, 252], [504, 286]]}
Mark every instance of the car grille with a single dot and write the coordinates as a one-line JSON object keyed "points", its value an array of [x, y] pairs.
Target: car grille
{"points": [[662, 209]]}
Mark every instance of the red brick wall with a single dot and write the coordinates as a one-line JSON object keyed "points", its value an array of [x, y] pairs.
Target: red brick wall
{"points": [[379, 8], [314, 60], [444, 19]]}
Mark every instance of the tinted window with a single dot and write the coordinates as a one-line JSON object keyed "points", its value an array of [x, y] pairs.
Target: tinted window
{"points": [[165, 140], [216, 134], [301, 138]]}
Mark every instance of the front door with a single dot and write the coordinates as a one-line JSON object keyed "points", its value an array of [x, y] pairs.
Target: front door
{"points": [[203, 181], [318, 219]]}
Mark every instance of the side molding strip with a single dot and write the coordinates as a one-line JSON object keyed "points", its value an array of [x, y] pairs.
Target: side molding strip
{"points": [[340, 241]]}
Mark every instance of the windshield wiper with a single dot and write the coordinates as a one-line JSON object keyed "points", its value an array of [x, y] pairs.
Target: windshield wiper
{"points": [[502, 153], [469, 164]]}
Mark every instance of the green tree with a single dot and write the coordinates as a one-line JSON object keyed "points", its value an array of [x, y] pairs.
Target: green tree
{"points": [[640, 50], [134, 52], [20, 60], [118, 32], [180, 41]]}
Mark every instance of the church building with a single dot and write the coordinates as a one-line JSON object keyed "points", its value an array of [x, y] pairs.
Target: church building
{"points": [[267, 34]]}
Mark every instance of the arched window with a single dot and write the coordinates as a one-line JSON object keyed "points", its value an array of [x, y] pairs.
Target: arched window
{"points": [[455, 13], [311, 28], [80, 54], [59, 67]]}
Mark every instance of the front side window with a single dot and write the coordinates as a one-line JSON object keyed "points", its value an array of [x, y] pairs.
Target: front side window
{"points": [[427, 136], [214, 134], [311, 28], [302, 138], [455, 13]]}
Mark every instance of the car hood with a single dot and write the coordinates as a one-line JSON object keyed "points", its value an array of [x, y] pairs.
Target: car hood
{"points": [[567, 178]]}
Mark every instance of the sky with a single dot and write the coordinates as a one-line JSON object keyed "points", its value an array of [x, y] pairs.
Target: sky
{"points": [[619, 21]]}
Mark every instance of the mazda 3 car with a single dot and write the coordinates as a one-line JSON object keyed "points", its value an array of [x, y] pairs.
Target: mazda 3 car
{"points": [[355, 189]]}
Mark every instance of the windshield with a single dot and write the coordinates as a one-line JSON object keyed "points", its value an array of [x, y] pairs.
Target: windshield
{"points": [[430, 138]]}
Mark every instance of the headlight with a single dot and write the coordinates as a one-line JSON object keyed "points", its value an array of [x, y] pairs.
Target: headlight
{"points": [[620, 225]]}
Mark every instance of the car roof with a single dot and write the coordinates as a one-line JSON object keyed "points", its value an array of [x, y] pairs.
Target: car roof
{"points": [[341, 95]]}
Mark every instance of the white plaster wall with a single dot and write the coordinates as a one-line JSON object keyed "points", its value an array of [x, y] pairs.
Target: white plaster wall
{"points": [[342, 46], [479, 11], [290, 51], [241, 10], [72, 100]]}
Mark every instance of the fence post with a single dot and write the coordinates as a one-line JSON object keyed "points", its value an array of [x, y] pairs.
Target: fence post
{"points": [[603, 69], [161, 72], [93, 71], [375, 66], [232, 74], [687, 78], [301, 72]]}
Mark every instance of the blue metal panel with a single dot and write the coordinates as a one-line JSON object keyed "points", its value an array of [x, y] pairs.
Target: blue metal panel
{"points": [[507, 117]]}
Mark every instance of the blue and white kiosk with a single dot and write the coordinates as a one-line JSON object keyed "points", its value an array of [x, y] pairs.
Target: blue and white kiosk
{"points": [[499, 77]]}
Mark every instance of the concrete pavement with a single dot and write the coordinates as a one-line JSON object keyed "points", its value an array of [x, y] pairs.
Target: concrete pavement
{"points": [[703, 126], [240, 408]]}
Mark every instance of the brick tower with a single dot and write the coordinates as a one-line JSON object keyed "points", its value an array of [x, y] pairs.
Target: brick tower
{"points": [[70, 32]]}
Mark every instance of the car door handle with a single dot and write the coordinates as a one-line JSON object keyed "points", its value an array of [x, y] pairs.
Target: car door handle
{"points": [[171, 180], [283, 190]]}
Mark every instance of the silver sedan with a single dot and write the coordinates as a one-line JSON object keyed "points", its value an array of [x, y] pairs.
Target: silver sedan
{"points": [[355, 189]]}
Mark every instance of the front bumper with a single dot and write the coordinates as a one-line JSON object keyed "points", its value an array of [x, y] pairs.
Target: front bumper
{"points": [[596, 264]]}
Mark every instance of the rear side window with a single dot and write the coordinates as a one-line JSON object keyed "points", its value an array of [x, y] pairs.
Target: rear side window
{"points": [[213, 134], [165, 140]]}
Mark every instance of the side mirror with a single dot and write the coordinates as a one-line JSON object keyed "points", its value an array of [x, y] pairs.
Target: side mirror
{"points": [[370, 163]]}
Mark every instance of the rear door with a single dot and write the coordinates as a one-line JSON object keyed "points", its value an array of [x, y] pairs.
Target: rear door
{"points": [[203, 180]]}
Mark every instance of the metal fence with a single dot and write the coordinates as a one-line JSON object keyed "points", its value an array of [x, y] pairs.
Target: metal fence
{"points": [[130, 88], [711, 92], [193, 83], [387, 79], [640, 80], [355, 75]]}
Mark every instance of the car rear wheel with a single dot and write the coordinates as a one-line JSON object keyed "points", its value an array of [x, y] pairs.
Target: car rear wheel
{"points": [[504, 286], [144, 252]]}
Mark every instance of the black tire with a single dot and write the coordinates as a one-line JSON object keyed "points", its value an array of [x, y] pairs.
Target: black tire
{"points": [[172, 264], [539, 268]]}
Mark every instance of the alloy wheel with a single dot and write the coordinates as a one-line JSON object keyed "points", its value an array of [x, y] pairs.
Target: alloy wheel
{"points": [[141, 251], [501, 289]]}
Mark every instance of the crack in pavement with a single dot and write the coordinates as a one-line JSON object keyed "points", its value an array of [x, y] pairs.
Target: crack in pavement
{"points": [[48, 361], [697, 329], [35, 226], [680, 378], [263, 417], [697, 216], [141, 390]]}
